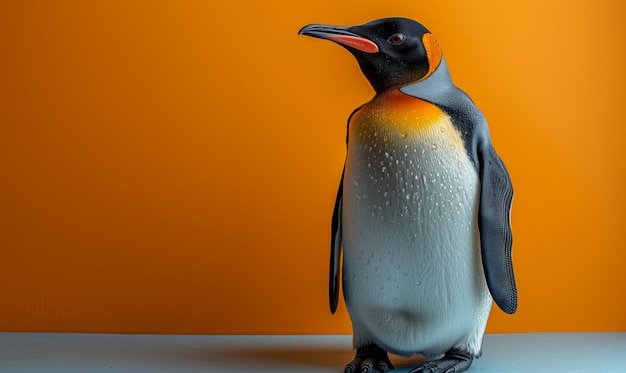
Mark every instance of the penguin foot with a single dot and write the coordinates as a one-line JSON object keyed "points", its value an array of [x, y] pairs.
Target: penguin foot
{"points": [[369, 359], [454, 361]]}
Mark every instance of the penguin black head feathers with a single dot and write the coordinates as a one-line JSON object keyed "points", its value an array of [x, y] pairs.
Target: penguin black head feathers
{"points": [[392, 52]]}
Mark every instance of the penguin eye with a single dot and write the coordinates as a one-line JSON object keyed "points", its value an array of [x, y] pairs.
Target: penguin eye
{"points": [[396, 39]]}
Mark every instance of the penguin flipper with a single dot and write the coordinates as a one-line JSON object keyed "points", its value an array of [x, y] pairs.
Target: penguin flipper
{"points": [[495, 228], [335, 239], [335, 250]]}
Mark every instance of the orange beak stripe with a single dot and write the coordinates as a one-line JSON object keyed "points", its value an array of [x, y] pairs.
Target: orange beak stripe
{"points": [[362, 44]]}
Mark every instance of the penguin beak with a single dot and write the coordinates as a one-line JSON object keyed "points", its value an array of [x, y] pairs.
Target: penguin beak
{"points": [[340, 35]]}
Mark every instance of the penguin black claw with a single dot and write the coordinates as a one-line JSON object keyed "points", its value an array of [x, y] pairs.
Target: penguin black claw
{"points": [[454, 361], [370, 359]]}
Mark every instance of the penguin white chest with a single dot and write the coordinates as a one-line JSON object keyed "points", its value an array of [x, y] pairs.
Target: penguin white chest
{"points": [[413, 277]]}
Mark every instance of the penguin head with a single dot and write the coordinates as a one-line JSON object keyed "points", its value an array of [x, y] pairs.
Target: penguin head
{"points": [[392, 52]]}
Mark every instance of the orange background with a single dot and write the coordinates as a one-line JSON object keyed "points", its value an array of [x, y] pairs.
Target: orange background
{"points": [[171, 167]]}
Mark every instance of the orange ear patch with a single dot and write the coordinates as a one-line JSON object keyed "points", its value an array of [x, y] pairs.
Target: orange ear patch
{"points": [[433, 53]]}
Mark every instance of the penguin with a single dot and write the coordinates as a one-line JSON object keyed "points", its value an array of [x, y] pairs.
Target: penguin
{"points": [[422, 214]]}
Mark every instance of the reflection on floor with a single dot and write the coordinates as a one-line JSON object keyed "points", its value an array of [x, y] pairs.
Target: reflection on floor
{"points": [[68, 353]]}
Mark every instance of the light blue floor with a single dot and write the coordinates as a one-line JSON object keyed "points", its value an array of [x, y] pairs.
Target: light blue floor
{"points": [[68, 353]]}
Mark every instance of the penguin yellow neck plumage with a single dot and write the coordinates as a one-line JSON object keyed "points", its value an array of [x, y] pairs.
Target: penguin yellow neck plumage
{"points": [[395, 116]]}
